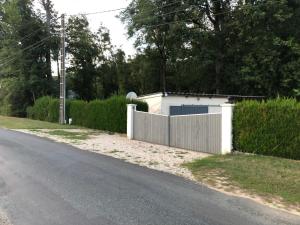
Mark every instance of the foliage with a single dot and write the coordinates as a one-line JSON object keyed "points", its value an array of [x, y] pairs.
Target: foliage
{"points": [[77, 112], [53, 110], [108, 115], [230, 47], [5, 106], [40, 110], [22, 51], [84, 51], [268, 128]]}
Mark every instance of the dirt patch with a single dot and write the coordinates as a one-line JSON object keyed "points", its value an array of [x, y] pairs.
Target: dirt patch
{"points": [[156, 157]]}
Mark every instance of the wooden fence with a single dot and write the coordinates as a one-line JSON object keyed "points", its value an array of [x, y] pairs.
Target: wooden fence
{"points": [[194, 132], [151, 128]]}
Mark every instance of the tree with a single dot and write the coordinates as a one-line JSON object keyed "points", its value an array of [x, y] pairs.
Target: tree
{"points": [[83, 53], [122, 71], [149, 22], [91, 71], [23, 53], [226, 46], [266, 48]]}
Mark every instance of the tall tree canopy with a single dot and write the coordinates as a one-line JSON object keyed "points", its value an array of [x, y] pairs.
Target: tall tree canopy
{"points": [[23, 54], [223, 46]]}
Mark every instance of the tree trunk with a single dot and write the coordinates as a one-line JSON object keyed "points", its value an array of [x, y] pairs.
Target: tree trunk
{"points": [[47, 6], [163, 75], [217, 20], [163, 56], [219, 67]]}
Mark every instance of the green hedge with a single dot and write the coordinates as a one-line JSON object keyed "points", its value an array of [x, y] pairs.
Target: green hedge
{"points": [[40, 109], [109, 115], [45, 109], [268, 128], [77, 112]]}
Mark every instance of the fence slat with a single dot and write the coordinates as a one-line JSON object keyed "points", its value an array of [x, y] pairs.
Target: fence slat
{"points": [[151, 128]]}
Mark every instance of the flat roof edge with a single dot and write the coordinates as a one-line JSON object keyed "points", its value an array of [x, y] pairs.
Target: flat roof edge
{"points": [[183, 94]]}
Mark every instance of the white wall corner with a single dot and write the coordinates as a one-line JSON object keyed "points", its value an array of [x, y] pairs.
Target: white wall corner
{"points": [[131, 108], [227, 137]]}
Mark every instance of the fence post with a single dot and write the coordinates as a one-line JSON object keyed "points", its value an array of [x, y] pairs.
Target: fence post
{"points": [[130, 118], [227, 114], [169, 131]]}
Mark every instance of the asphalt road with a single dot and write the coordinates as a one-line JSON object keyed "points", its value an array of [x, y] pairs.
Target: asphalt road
{"points": [[42, 182]]}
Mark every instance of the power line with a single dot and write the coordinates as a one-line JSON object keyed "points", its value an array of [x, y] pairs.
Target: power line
{"points": [[123, 8], [190, 20], [119, 9], [35, 31], [144, 19], [137, 20], [31, 47], [28, 47], [169, 13], [100, 12], [11, 60], [166, 23], [28, 36]]}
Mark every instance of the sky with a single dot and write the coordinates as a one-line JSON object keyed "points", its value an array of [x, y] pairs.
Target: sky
{"points": [[109, 20]]}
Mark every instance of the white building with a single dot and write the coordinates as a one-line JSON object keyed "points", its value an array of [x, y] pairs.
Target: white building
{"points": [[171, 103]]}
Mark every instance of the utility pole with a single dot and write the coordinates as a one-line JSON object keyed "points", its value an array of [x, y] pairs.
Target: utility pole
{"points": [[62, 106]]}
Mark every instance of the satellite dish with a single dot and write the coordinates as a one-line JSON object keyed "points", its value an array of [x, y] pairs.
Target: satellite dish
{"points": [[131, 96]]}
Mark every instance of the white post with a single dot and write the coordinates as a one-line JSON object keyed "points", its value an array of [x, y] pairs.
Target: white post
{"points": [[130, 116], [227, 114]]}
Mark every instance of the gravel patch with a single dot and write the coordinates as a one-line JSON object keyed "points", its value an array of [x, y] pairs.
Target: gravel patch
{"points": [[4, 219], [153, 156]]}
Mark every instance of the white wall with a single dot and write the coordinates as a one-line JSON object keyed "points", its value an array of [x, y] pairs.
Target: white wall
{"points": [[227, 113], [180, 100], [215, 109]]}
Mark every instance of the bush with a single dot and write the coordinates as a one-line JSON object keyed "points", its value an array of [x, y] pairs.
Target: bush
{"points": [[77, 112], [109, 115], [53, 111], [268, 128], [30, 112], [40, 109], [47, 109]]}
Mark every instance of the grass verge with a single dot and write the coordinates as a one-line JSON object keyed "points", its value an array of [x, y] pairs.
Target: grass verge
{"points": [[22, 123], [70, 135], [269, 177]]}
